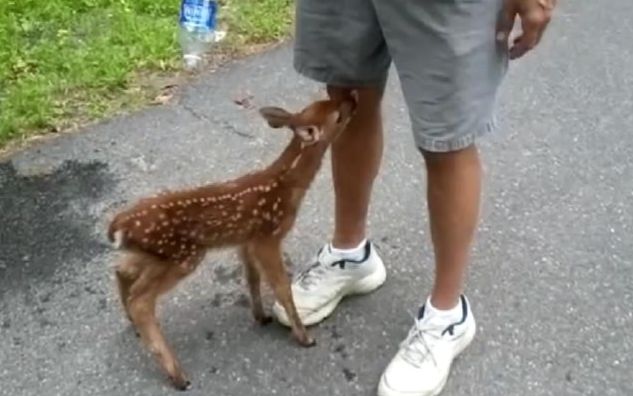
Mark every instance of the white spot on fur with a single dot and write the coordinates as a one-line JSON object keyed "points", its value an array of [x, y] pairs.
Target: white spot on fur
{"points": [[295, 162]]}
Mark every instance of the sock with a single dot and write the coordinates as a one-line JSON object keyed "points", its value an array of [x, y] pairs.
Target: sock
{"points": [[354, 254], [447, 316]]}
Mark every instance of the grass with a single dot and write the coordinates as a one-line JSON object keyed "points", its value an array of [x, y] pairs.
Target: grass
{"points": [[65, 62], [259, 21]]}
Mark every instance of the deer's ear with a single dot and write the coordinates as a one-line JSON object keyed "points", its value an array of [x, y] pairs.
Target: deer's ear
{"points": [[276, 116]]}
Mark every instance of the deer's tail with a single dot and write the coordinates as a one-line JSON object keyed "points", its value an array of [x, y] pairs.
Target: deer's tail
{"points": [[116, 232]]}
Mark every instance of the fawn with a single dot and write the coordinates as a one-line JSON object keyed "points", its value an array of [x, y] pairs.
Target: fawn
{"points": [[167, 236]]}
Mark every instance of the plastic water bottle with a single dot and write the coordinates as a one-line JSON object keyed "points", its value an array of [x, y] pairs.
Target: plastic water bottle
{"points": [[197, 29]]}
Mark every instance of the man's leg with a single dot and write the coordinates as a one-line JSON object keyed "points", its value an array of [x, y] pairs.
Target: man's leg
{"points": [[453, 195], [356, 157], [343, 47], [445, 325], [348, 264], [450, 86]]}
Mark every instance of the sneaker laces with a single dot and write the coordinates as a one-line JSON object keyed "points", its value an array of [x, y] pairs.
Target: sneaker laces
{"points": [[311, 275], [317, 270], [416, 346]]}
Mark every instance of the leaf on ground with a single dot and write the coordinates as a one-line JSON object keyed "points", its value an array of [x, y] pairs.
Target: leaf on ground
{"points": [[167, 93], [244, 101]]}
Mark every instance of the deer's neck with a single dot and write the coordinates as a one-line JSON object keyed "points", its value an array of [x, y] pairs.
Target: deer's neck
{"points": [[299, 163]]}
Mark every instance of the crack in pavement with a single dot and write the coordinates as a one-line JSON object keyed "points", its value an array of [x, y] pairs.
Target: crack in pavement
{"points": [[225, 124]]}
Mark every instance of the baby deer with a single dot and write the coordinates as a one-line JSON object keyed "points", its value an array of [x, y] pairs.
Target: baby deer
{"points": [[167, 236]]}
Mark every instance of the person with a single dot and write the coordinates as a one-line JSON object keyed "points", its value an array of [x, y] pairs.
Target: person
{"points": [[451, 57]]}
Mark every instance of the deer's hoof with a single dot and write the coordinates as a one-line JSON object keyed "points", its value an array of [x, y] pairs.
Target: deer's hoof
{"points": [[264, 320], [308, 342], [137, 334], [181, 384]]}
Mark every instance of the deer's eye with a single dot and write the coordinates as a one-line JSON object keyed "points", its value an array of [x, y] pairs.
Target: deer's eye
{"points": [[312, 131]]}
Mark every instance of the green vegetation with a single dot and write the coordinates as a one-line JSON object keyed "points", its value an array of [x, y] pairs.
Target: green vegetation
{"points": [[259, 21], [64, 62]]}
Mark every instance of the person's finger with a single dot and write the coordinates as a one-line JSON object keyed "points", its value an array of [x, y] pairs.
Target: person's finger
{"points": [[505, 23], [533, 24]]}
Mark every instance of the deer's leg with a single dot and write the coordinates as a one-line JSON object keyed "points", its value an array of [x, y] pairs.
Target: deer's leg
{"points": [[124, 283], [269, 256], [147, 278], [254, 283], [143, 312], [127, 271]]}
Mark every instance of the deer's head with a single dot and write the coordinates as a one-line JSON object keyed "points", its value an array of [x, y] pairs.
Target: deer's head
{"points": [[321, 121]]}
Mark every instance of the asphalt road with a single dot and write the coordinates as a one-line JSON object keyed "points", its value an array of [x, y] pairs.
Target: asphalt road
{"points": [[551, 281]]}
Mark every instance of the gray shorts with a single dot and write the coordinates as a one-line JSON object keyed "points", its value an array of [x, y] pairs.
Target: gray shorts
{"points": [[448, 61]]}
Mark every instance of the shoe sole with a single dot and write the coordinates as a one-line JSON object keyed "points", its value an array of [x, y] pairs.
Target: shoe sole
{"points": [[384, 390], [363, 286]]}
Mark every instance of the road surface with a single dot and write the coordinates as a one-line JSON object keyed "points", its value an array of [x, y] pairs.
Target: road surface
{"points": [[551, 281]]}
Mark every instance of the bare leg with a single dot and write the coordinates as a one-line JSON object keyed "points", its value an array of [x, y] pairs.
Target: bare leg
{"points": [[269, 257], [254, 283], [356, 157], [454, 188]]}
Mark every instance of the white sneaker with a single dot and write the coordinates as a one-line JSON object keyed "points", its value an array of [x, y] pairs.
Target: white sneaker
{"points": [[318, 289], [423, 362]]}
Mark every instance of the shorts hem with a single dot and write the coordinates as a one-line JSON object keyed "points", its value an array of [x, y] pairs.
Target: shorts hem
{"points": [[444, 146], [329, 78]]}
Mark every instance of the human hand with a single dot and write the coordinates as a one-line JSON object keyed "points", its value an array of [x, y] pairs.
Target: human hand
{"points": [[535, 16]]}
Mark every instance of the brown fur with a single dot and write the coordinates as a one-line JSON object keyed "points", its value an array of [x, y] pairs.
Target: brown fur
{"points": [[166, 237]]}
